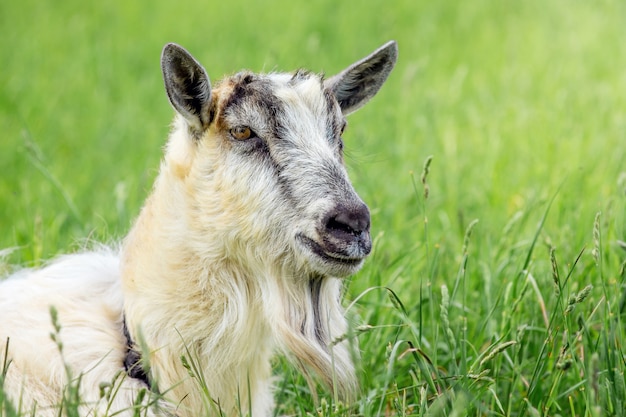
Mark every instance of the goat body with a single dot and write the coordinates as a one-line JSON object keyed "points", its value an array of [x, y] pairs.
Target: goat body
{"points": [[239, 252]]}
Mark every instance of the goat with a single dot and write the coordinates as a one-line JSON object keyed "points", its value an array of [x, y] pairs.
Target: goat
{"points": [[238, 253]]}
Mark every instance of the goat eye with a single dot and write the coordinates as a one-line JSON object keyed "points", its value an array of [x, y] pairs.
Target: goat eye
{"points": [[241, 132], [343, 128]]}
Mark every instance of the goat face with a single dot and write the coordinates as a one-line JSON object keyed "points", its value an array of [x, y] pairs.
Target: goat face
{"points": [[267, 159]]}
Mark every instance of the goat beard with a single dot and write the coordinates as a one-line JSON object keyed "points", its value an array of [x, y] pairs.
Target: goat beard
{"points": [[315, 334]]}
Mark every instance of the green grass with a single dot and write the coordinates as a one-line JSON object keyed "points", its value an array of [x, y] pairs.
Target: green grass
{"points": [[522, 106]]}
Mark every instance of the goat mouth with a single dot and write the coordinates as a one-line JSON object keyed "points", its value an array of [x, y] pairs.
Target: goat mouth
{"points": [[330, 256]]}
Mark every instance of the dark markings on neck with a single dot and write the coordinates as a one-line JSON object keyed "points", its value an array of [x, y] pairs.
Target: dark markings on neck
{"points": [[133, 363], [315, 286]]}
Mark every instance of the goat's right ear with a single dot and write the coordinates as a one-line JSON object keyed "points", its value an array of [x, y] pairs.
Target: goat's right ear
{"points": [[357, 84], [187, 85]]}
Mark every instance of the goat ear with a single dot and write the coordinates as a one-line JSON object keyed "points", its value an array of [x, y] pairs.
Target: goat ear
{"points": [[187, 85], [357, 84]]}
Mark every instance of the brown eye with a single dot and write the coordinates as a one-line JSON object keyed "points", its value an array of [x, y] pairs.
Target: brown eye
{"points": [[241, 132]]}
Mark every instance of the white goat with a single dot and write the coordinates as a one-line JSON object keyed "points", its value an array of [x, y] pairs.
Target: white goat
{"points": [[238, 253]]}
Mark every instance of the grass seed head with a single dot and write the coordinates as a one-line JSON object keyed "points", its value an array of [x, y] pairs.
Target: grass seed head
{"points": [[577, 298], [584, 294], [468, 235], [555, 271], [424, 176], [496, 350], [596, 239], [445, 304]]}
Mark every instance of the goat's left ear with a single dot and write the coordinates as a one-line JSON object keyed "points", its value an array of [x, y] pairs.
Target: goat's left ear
{"points": [[358, 83], [187, 84]]}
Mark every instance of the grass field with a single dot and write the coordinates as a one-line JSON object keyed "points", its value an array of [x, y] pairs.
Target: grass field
{"points": [[500, 293]]}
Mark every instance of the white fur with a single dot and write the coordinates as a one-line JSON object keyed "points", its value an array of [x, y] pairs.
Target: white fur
{"points": [[85, 289], [214, 268]]}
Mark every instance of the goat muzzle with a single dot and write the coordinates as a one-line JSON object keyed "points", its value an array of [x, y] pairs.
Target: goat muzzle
{"points": [[346, 230], [343, 239]]}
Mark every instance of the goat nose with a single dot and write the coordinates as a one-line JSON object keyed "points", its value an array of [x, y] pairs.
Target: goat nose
{"points": [[352, 220]]}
